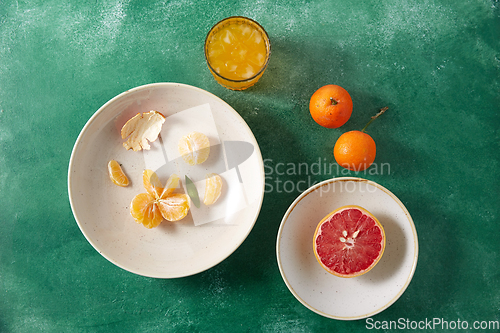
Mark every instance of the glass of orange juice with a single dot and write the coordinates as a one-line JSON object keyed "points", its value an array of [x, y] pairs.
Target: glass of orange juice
{"points": [[237, 50]]}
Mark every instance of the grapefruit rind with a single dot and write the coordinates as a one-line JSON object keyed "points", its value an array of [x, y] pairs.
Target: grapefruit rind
{"points": [[318, 232]]}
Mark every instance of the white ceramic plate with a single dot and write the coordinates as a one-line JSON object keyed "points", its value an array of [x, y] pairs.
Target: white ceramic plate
{"points": [[173, 249], [346, 298]]}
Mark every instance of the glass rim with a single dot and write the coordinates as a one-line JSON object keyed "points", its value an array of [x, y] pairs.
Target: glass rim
{"points": [[268, 49]]}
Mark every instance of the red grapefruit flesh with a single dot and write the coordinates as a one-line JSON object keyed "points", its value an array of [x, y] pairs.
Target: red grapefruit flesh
{"points": [[349, 241]]}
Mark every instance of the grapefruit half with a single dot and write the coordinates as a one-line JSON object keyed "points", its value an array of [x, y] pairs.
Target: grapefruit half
{"points": [[349, 241]]}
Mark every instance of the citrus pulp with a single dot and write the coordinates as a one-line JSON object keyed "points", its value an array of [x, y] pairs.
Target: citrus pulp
{"points": [[213, 188], [194, 148], [158, 203], [116, 174], [349, 241]]}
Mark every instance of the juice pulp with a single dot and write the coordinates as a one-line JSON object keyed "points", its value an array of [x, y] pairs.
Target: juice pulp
{"points": [[237, 50]]}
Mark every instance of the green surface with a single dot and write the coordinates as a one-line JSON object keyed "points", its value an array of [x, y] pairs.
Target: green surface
{"points": [[436, 64]]}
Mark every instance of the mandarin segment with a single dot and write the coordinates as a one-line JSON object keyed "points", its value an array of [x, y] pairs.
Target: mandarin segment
{"points": [[145, 210], [194, 148], [174, 207], [116, 174], [158, 202], [152, 183], [213, 188], [170, 186]]}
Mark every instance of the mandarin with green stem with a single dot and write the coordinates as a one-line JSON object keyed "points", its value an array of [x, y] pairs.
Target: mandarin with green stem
{"points": [[356, 150]]}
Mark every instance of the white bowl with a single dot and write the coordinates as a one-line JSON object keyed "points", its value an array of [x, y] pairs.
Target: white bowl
{"points": [[207, 235], [346, 298]]}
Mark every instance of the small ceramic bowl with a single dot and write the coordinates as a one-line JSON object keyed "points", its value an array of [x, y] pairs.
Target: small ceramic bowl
{"points": [[346, 298]]}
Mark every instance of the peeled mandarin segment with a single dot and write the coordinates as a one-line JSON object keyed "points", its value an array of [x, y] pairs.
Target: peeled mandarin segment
{"points": [[152, 183], [172, 184], [144, 210], [213, 188], [116, 174], [194, 148], [174, 207]]}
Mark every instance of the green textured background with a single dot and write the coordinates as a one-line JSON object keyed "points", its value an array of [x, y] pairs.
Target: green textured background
{"points": [[436, 64]]}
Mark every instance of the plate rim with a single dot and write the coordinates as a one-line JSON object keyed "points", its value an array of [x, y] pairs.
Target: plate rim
{"points": [[88, 124], [297, 202]]}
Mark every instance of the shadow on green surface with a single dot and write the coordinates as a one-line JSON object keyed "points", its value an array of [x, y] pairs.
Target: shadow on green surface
{"points": [[291, 64], [440, 254]]}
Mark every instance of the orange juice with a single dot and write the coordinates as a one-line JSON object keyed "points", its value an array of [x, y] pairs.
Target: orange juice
{"points": [[237, 50]]}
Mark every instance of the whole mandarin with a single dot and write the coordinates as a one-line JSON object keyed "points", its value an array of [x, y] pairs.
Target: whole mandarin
{"points": [[355, 150], [330, 106]]}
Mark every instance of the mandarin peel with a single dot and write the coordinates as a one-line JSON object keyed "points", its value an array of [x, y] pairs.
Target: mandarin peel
{"points": [[142, 128]]}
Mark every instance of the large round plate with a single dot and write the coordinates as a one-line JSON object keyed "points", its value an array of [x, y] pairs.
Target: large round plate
{"points": [[346, 298], [173, 249]]}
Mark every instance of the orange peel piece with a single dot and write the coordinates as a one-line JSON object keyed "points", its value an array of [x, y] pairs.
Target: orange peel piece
{"points": [[142, 128]]}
